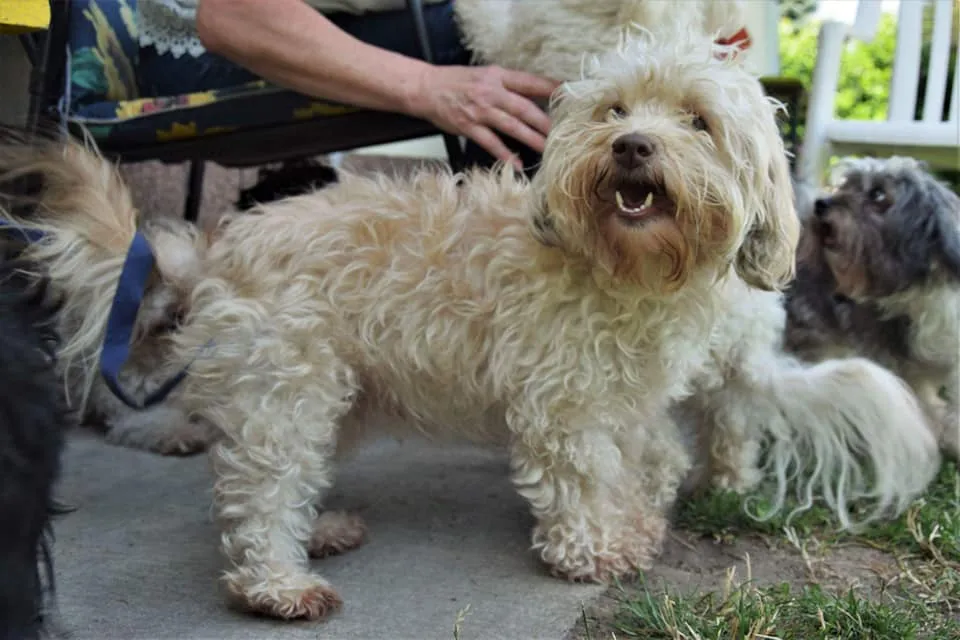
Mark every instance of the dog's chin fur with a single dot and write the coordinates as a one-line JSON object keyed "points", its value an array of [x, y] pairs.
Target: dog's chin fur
{"points": [[481, 307], [879, 276]]}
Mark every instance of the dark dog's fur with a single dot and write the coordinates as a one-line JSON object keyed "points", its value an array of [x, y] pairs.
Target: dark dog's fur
{"points": [[878, 275], [292, 179], [33, 417]]}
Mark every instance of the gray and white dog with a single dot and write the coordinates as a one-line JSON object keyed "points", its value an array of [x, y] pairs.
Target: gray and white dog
{"points": [[878, 275]]}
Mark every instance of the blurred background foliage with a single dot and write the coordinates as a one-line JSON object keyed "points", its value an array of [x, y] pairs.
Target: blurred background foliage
{"points": [[866, 67]]}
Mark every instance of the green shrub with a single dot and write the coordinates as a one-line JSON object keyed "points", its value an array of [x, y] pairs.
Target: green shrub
{"points": [[865, 68]]}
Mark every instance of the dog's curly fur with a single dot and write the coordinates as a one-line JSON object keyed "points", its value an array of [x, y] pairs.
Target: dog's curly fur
{"points": [[554, 318], [33, 417], [31, 184], [551, 37], [879, 276]]}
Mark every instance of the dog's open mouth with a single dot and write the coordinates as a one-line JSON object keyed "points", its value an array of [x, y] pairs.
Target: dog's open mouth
{"points": [[637, 201]]}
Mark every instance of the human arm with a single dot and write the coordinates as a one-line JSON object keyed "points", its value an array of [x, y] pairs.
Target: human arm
{"points": [[291, 44]]}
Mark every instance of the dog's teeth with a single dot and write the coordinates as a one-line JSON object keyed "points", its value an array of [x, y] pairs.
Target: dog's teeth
{"points": [[623, 207], [648, 201]]}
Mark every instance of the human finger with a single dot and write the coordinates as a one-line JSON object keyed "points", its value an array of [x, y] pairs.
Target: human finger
{"points": [[526, 111], [488, 140], [529, 84], [516, 129]]}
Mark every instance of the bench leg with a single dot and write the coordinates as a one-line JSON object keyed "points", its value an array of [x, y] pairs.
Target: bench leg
{"points": [[191, 208]]}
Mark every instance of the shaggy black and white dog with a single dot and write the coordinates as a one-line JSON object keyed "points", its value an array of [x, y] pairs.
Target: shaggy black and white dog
{"points": [[33, 417], [878, 275]]}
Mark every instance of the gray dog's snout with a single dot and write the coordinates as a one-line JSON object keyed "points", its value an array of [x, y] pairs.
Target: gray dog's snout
{"points": [[821, 206]]}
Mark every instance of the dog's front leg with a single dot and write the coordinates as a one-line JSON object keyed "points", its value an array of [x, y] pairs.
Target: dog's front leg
{"points": [[950, 435], [726, 429], [597, 517], [939, 396]]}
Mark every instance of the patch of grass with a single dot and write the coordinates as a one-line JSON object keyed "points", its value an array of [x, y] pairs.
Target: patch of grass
{"points": [[929, 528], [919, 599], [745, 612]]}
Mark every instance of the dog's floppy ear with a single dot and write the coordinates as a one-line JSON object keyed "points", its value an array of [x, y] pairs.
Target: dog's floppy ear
{"points": [[925, 227], [767, 257], [948, 232]]}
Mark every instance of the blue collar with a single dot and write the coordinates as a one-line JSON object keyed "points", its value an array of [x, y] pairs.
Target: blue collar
{"points": [[137, 268]]}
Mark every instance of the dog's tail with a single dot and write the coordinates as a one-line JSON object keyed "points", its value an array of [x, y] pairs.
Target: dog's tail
{"points": [[79, 219], [850, 432]]}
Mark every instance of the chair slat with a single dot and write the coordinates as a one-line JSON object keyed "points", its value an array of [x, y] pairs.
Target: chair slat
{"points": [[955, 92], [939, 64], [906, 65], [867, 20]]}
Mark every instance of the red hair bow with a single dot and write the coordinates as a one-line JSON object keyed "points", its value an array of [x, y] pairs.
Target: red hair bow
{"points": [[740, 40]]}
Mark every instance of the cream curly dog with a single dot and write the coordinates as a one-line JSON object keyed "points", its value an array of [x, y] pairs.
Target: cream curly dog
{"points": [[561, 319], [551, 37]]}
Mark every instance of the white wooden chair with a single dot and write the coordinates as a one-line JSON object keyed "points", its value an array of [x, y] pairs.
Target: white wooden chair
{"points": [[929, 138]]}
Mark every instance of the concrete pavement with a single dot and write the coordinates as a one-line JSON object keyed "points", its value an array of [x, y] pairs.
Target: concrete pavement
{"points": [[138, 559]]}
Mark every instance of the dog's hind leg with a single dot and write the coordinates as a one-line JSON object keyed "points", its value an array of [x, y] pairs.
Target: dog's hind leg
{"points": [[336, 532], [950, 420], [272, 466]]}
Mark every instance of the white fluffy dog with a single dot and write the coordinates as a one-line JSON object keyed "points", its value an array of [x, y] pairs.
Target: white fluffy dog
{"points": [[551, 37], [561, 319]]}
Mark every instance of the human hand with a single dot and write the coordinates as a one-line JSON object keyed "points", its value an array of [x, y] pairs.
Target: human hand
{"points": [[477, 102]]}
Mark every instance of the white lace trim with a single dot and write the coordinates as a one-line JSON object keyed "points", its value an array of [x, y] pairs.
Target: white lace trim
{"points": [[170, 26]]}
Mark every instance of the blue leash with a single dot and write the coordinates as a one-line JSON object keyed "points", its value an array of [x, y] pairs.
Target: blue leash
{"points": [[136, 271]]}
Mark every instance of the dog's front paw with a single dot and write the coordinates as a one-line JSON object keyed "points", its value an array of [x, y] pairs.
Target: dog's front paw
{"points": [[162, 430], [186, 439], [335, 532], [601, 556], [283, 595], [738, 480]]}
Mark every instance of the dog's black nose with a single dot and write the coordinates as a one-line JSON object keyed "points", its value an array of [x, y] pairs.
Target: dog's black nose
{"points": [[821, 206], [630, 149]]}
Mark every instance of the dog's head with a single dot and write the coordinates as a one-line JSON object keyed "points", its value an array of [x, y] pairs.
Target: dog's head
{"points": [[885, 226], [665, 159], [178, 249]]}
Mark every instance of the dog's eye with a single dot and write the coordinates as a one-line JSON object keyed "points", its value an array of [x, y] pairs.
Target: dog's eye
{"points": [[698, 123], [617, 111], [877, 195]]}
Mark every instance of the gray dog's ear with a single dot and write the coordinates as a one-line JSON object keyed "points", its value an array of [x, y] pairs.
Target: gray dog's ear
{"points": [[949, 233], [767, 257], [926, 224]]}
